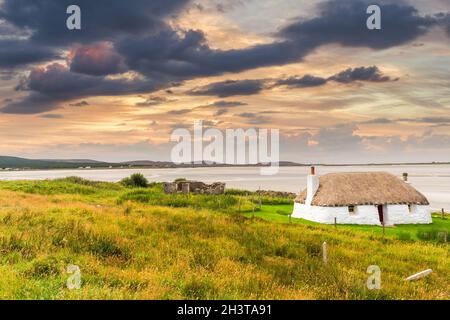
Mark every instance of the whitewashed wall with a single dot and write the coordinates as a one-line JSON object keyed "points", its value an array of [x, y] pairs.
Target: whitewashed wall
{"points": [[364, 215], [400, 214]]}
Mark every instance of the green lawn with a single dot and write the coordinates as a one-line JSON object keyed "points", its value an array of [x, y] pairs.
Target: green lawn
{"points": [[434, 231]]}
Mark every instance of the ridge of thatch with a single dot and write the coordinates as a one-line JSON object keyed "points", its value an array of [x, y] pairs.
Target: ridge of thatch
{"points": [[363, 188]]}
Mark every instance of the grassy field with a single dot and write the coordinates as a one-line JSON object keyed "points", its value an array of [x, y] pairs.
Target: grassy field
{"points": [[137, 243]]}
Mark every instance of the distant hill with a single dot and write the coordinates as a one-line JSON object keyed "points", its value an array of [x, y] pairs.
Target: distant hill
{"points": [[7, 162], [73, 160], [22, 163], [148, 163], [163, 164]]}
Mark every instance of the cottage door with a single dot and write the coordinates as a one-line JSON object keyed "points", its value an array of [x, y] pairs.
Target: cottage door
{"points": [[380, 213]]}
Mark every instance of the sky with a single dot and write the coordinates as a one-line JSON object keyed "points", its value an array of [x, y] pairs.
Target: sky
{"points": [[116, 89]]}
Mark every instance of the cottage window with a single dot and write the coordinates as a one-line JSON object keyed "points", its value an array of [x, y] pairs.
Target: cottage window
{"points": [[411, 208], [351, 209]]}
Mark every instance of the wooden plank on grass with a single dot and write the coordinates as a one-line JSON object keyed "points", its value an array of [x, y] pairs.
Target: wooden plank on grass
{"points": [[419, 275]]}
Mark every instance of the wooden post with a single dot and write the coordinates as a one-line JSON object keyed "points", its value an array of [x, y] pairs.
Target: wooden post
{"points": [[290, 218], [444, 236], [239, 205], [443, 213], [324, 249], [384, 232], [260, 201], [253, 210], [335, 222]]}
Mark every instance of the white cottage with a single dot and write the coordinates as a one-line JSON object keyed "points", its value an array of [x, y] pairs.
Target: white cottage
{"points": [[370, 198]]}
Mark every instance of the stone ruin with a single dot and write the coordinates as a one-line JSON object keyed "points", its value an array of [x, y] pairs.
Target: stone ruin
{"points": [[195, 187]]}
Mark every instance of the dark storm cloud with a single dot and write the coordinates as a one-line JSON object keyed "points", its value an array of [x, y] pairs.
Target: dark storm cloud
{"points": [[154, 101], [187, 55], [56, 80], [141, 41], [370, 74], [149, 46], [249, 87], [230, 88], [51, 85], [20, 52], [16, 50], [344, 22], [32, 104], [367, 74], [302, 82], [101, 19], [96, 60], [226, 104]]}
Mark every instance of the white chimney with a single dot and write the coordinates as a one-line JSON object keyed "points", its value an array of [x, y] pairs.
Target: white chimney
{"points": [[405, 177], [312, 184]]}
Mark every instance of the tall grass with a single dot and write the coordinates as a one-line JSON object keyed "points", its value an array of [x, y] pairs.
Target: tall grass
{"points": [[142, 244]]}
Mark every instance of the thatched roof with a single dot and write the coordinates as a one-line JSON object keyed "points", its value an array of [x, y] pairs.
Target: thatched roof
{"points": [[363, 188]]}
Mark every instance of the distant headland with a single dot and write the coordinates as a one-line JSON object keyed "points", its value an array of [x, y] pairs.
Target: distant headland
{"points": [[8, 163]]}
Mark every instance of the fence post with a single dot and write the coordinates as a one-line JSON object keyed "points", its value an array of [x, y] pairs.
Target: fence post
{"points": [[253, 210], [239, 205], [443, 213], [324, 249], [383, 229], [260, 200], [335, 222]]}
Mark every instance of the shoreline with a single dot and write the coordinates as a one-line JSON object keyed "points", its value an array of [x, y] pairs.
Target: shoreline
{"points": [[223, 166]]}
